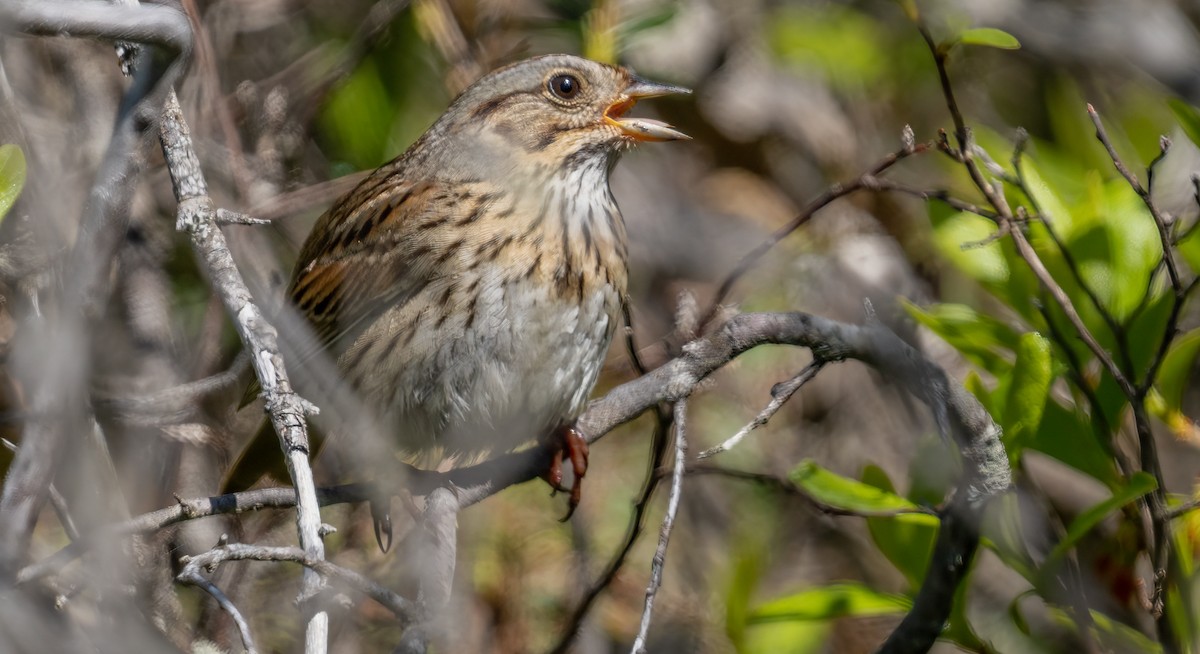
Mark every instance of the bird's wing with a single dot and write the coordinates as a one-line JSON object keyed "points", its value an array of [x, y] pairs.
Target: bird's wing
{"points": [[375, 249]]}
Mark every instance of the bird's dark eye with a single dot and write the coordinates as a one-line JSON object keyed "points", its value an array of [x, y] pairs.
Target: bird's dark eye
{"points": [[564, 86]]}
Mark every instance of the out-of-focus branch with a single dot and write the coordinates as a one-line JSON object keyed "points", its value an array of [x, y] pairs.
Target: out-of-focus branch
{"points": [[436, 552], [400, 607], [56, 355], [319, 194], [191, 509]]}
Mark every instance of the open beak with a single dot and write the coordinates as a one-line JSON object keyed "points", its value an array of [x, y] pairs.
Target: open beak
{"points": [[643, 129]]}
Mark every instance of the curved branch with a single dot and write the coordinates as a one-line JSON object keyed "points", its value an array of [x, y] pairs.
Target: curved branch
{"points": [[958, 414]]}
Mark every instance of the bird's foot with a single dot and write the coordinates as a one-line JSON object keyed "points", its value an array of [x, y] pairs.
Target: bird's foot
{"points": [[567, 444], [381, 518]]}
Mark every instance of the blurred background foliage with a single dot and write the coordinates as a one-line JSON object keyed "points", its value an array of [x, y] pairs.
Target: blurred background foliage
{"points": [[290, 101]]}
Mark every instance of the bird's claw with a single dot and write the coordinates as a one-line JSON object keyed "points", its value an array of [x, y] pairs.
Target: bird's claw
{"points": [[568, 444], [381, 519]]}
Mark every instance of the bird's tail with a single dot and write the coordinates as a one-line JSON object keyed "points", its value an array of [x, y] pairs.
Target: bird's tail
{"points": [[260, 458]]}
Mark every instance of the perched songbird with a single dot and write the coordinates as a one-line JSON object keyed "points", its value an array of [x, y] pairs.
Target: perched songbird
{"points": [[469, 289]]}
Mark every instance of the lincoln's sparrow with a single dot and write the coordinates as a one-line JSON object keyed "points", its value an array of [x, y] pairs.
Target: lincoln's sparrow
{"points": [[469, 289]]}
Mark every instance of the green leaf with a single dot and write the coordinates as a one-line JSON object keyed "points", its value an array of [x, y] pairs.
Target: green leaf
{"points": [[1027, 392], [975, 386], [983, 263], [843, 493], [786, 638], [1139, 484], [1122, 273], [12, 176], [906, 540], [748, 564], [1049, 202], [989, 37], [847, 46], [1188, 117], [1176, 368], [1118, 636], [358, 115], [1070, 437], [828, 602], [982, 339]]}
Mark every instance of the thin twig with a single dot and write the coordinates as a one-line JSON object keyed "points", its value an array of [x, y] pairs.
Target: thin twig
{"points": [[637, 523], [309, 197], [1155, 502], [832, 193], [191, 575], [190, 509], [1164, 236], [780, 394], [1186, 507], [1118, 331], [403, 609], [664, 536], [227, 217], [940, 195]]}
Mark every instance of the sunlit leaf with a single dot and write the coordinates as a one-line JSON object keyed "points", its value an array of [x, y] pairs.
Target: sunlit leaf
{"points": [[843, 493], [975, 386], [984, 340], [1187, 536], [1139, 484], [846, 45], [747, 570], [1028, 391], [1051, 205], [989, 37], [985, 263], [794, 637], [358, 115], [1182, 616], [12, 176], [1120, 637], [828, 602], [1136, 248]]}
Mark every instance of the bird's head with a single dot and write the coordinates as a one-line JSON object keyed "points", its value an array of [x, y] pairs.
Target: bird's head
{"points": [[559, 108]]}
